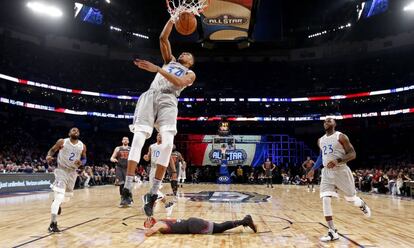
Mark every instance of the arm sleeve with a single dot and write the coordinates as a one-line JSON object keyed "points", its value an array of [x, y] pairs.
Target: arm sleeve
{"points": [[318, 162]]}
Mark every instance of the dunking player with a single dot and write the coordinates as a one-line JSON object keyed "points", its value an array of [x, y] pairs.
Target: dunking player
{"points": [[194, 226], [120, 157], [158, 108], [268, 167], [152, 156], [336, 151], [176, 165], [307, 166], [72, 155]]}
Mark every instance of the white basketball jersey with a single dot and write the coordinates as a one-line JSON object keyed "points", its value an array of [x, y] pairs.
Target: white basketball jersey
{"points": [[69, 154], [331, 148], [155, 153], [160, 83]]}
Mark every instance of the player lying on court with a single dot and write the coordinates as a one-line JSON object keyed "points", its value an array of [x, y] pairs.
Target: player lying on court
{"points": [[336, 151], [194, 226], [72, 155], [158, 107]]}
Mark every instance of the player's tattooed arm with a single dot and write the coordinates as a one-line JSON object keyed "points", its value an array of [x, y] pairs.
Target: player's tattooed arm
{"points": [[165, 45], [56, 147], [350, 153], [113, 157]]}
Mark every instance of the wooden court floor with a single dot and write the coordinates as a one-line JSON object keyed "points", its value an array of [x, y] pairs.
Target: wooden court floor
{"points": [[292, 217]]}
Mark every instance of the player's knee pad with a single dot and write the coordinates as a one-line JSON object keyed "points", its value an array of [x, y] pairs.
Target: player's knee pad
{"points": [[166, 148], [327, 206], [136, 146]]}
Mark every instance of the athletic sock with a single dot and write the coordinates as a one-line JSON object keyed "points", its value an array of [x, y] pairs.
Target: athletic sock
{"points": [[54, 218], [128, 182], [155, 186], [331, 224]]}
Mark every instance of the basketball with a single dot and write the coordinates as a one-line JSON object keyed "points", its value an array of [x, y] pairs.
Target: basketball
{"points": [[186, 24]]}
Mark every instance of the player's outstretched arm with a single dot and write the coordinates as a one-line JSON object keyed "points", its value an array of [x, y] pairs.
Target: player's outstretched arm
{"points": [[180, 82], [158, 226], [113, 157], [165, 45], [56, 147]]}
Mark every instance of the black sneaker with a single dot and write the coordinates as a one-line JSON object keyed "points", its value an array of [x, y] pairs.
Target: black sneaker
{"points": [[248, 221], [53, 228], [127, 195], [149, 201], [124, 203]]}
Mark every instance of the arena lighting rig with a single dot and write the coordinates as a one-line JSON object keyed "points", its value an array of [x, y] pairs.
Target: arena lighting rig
{"points": [[45, 9], [409, 7]]}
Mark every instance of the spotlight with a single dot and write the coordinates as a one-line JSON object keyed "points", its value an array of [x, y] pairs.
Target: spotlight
{"points": [[108, 1], [44, 9], [409, 7]]}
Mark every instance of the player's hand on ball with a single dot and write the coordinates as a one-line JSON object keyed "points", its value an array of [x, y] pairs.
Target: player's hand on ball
{"points": [[332, 164], [146, 65]]}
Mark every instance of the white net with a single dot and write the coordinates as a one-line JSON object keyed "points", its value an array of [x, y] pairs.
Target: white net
{"points": [[176, 7]]}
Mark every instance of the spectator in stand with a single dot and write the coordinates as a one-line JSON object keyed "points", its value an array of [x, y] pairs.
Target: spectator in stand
{"points": [[251, 178], [239, 174]]}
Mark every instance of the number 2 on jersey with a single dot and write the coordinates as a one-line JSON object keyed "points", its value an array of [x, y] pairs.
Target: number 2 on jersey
{"points": [[72, 155], [327, 149]]}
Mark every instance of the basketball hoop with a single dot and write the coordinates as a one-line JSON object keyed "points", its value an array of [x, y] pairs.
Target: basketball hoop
{"points": [[176, 7]]}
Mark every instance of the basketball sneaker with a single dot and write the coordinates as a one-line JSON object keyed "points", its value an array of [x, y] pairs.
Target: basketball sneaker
{"points": [[331, 236], [53, 228], [365, 209], [124, 203], [248, 221], [149, 201], [126, 198]]}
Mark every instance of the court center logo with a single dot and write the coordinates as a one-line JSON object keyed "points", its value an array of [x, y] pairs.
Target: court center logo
{"points": [[227, 196]]}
